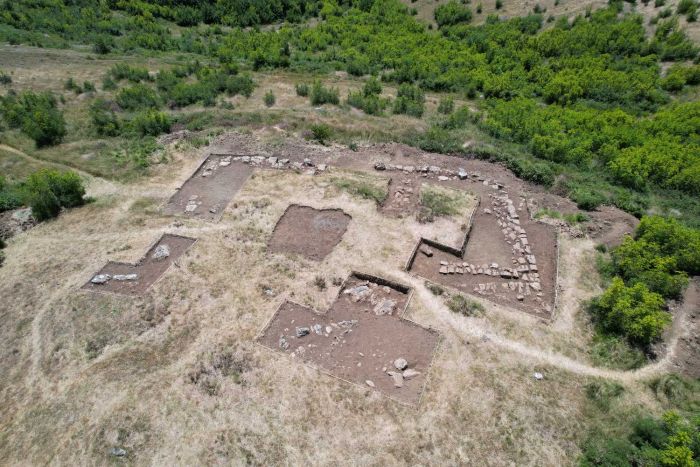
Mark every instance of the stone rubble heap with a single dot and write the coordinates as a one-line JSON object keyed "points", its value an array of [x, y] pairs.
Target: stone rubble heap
{"points": [[104, 278], [376, 295]]}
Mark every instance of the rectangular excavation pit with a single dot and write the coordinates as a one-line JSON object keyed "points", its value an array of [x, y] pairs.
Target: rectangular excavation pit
{"points": [[135, 279], [208, 191], [309, 232], [506, 257], [359, 338]]}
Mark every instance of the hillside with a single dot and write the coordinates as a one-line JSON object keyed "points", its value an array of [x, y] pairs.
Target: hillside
{"points": [[317, 232]]}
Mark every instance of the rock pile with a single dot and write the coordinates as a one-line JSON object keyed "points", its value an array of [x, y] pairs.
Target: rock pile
{"points": [[402, 372], [376, 295]]}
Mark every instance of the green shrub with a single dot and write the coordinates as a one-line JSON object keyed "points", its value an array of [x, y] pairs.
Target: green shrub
{"points": [[269, 99], [136, 97], [464, 306], [243, 85], [36, 115], [151, 122], [321, 132], [134, 74], [302, 89], [616, 352], [438, 202], [362, 187], [322, 95], [634, 312], [50, 190], [104, 119], [446, 106], [410, 100], [586, 199], [452, 12], [603, 392]]}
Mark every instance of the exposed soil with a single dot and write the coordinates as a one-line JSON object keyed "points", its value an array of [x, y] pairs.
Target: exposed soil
{"points": [[359, 338], [208, 191], [308, 232], [147, 270], [403, 197], [531, 252], [686, 358]]}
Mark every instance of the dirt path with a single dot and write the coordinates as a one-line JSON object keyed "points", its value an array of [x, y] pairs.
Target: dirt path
{"points": [[462, 329], [96, 186]]}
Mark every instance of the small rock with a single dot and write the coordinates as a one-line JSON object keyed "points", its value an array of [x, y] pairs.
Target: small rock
{"points": [[385, 307], [101, 279], [462, 174], [125, 277], [317, 329], [397, 377], [284, 345], [538, 376], [443, 269], [369, 383], [400, 364], [162, 251], [308, 163], [426, 251], [380, 166], [442, 178], [302, 331], [117, 452], [410, 373]]}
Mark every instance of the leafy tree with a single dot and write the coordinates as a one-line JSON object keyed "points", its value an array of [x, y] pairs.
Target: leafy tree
{"points": [[36, 115], [634, 312], [452, 12], [410, 100]]}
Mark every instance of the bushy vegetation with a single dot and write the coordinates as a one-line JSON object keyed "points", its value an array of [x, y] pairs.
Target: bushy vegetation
{"points": [[369, 98], [410, 100], [362, 187], [319, 94], [649, 268], [36, 115], [45, 191], [671, 440], [464, 306]]}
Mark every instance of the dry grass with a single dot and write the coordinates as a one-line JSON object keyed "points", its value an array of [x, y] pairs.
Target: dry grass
{"points": [[174, 377]]}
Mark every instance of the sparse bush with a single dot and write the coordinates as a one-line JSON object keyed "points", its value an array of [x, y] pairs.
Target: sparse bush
{"points": [[136, 97], [410, 101], [134, 74], [321, 132], [243, 85], [439, 202], [320, 283], [464, 306], [36, 115], [434, 289], [322, 95], [151, 122], [104, 119], [602, 392], [269, 99], [302, 89], [50, 190], [362, 188], [446, 106], [586, 199]]}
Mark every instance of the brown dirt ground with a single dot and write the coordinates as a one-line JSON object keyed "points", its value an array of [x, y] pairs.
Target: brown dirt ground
{"points": [[362, 343], [487, 245], [210, 188], [149, 270], [308, 232], [686, 358]]}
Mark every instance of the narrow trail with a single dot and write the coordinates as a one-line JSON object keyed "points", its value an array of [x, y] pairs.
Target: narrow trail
{"points": [[461, 330], [96, 185]]}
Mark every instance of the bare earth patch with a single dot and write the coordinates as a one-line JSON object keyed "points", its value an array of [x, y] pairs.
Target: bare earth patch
{"points": [[363, 338], [309, 232], [135, 279], [208, 191]]}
